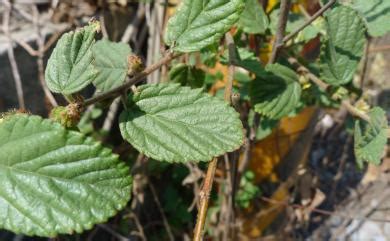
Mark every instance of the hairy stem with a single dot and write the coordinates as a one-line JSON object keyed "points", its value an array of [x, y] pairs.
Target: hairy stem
{"points": [[204, 194]]}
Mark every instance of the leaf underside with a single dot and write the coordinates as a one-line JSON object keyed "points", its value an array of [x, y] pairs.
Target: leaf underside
{"points": [[69, 68], [199, 23], [178, 124], [371, 137], [276, 94], [55, 181], [344, 47], [111, 64]]}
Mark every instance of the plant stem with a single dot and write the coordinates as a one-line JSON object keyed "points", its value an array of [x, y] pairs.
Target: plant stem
{"points": [[324, 86], [309, 21], [204, 194], [282, 23], [137, 78]]}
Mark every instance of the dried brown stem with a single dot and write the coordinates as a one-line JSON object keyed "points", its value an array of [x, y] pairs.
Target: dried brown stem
{"points": [[204, 194], [324, 86], [164, 218], [309, 21], [40, 54], [282, 23], [11, 54]]}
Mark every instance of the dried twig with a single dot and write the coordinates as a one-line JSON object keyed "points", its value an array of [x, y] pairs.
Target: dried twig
{"points": [[41, 46], [282, 23], [324, 86], [164, 218], [11, 54], [326, 212], [204, 194], [363, 74], [309, 21], [114, 233], [130, 33]]}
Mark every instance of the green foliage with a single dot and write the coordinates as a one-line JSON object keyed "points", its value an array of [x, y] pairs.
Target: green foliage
{"points": [[111, 64], [264, 127], [376, 14], [187, 75], [247, 190], [178, 124], [245, 59], [343, 47], [253, 19], [175, 206], [69, 68], [277, 93], [55, 181], [371, 137], [199, 23]]}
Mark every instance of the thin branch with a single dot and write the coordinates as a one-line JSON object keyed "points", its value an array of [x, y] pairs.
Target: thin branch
{"points": [[136, 79], [11, 54], [325, 87], [363, 74], [114, 233], [204, 194], [322, 211], [282, 23], [41, 51], [309, 21], [160, 209], [380, 48], [130, 33]]}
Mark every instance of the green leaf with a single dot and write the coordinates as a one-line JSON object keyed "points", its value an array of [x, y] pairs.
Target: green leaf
{"points": [[69, 68], [376, 14], [276, 94], [199, 23], [55, 181], [344, 47], [111, 64], [253, 19], [187, 75], [177, 124], [371, 137]]}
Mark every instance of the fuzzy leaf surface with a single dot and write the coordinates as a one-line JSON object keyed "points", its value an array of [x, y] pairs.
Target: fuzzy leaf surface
{"points": [[55, 181], [376, 14], [199, 23], [69, 68], [178, 124], [344, 47], [371, 137], [111, 64], [277, 93]]}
